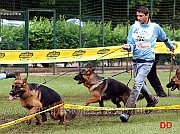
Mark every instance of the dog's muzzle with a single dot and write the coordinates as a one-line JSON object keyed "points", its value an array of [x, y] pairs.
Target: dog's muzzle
{"points": [[172, 85], [79, 79], [11, 93], [14, 94]]}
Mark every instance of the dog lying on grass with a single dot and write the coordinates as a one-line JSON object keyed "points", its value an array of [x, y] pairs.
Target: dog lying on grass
{"points": [[175, 81], [37, 98], [103, 88]]}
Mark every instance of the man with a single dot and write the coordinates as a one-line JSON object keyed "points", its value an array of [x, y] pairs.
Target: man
{"points": [[154, 80], [141, 40], [6, 75]]}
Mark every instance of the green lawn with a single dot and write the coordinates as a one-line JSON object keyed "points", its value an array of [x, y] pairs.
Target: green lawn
{"points": [[72, 93]]}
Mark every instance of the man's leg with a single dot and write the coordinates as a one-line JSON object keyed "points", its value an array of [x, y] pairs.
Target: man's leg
{"points": [[141, 71], [11, 74], [2, 76], [6, 75], [155, 82], [151, 100]]}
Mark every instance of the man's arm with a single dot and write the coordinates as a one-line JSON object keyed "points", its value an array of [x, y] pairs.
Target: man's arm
{"points": [[129, 46], [163, 38]]}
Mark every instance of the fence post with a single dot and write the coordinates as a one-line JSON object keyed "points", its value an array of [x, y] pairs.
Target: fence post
{"points": [[26, 37]]}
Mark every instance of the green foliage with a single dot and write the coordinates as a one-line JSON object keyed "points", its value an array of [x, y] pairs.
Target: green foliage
{"points": [[68, 35], [177, 35], [120, 34], [41, 34], [92, 35], [10, 35], [168, 30]]}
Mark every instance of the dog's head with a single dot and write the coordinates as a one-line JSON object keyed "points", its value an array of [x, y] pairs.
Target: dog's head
{"points": [[19, 87], [175, 81], [83, 74], [79, 78]]}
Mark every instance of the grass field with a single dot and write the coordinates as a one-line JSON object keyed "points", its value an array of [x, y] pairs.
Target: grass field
{"points": [[72, 93]]}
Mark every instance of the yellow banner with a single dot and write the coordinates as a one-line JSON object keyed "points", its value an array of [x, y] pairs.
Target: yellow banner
{"points": [[72, 55]]}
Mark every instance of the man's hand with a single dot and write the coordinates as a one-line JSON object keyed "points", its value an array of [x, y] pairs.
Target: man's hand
{"points": [[172, 49], [126, 47]]}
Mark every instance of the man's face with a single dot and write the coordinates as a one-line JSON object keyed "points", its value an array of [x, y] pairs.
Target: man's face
{"points": [[142, 18]]}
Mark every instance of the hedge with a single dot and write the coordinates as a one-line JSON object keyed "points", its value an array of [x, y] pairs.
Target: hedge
{"points": [[67, 35]]}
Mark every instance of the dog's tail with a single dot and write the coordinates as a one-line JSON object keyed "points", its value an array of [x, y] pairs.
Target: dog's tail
{"points": [[141, 96]]}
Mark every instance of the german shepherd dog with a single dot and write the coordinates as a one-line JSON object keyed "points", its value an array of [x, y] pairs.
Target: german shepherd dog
{"points": [[37, 98], [175, 81], [103, 88]]}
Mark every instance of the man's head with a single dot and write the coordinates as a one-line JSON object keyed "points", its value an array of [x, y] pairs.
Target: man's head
{"points": [[142, 14]]}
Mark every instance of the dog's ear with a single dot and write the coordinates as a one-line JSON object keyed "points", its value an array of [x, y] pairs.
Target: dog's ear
{"points": [[177, 72], [18, 77], [90, 65], [25, 79]]}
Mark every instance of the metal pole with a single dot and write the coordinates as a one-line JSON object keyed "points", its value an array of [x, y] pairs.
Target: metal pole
{"points": [[0, 28], [127, 12], [127, 17], [27, 30], [127, 31], [27, 37], [54, 29], [103, 32], [80, 32], [80, 17], [174, 14], [151, 9], [54, 41]]}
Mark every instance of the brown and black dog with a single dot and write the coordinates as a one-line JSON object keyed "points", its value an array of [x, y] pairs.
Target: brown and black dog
{"points": [[103, 88], [175, 81], [37, 98]]}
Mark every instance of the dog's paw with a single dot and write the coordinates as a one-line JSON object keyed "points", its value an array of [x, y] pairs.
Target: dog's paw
{"points": [[85, 104], [100, 113], [44, 119], [39, 124], [29, 121], [61, 122]]}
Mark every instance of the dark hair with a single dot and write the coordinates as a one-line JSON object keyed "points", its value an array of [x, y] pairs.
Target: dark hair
{"points": [[143, 9]]}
